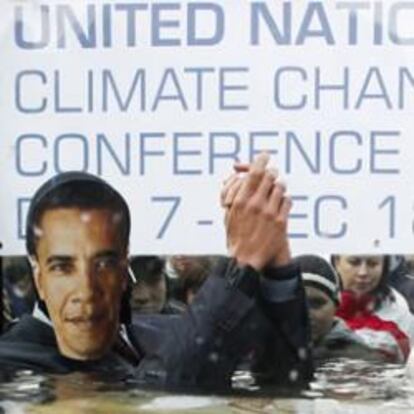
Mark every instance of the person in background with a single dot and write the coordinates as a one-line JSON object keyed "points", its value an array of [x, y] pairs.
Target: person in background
{"points": [[371, 308], [18, 289], [405, 282], [7, 316], [149, 293], [401, 278], [188, 273], [331, 337], [77, 240], [409, 260]]}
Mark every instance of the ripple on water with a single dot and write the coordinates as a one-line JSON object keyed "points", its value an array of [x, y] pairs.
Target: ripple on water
{"points": [[340, 386]]}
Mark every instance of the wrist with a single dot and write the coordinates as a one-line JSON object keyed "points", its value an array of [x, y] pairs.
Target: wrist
{"points": [[249, 262], [244, 278], [243, 258], [289, 271], [282, 258]]}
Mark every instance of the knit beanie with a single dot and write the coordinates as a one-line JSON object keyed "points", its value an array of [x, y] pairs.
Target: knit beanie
{"points": [[320, 274]]}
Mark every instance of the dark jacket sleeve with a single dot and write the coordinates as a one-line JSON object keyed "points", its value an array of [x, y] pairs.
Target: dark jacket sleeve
{"points": [[228, 319], [202, 346], [284, 356]]}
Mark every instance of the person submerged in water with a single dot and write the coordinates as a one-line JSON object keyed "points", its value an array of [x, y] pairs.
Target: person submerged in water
{"points": [[77, 241]]}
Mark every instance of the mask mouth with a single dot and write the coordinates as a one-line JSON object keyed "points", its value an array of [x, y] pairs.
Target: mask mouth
{"points": [[86, 320]]}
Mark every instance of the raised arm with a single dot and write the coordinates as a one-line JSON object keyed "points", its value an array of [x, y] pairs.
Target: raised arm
{"points": [[257, 212], [252, 301]]}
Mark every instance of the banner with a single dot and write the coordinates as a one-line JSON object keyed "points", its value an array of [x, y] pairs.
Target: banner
{"points": [[160, 98]]}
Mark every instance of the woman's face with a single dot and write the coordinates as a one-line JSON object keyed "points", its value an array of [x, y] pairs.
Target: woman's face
{"points": [[360, 274]]}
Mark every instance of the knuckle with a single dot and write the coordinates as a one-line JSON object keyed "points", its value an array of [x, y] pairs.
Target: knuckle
{"points": [[269, 176], [239, 203], [277, 193], [256, 174], [254, 207], [268, 215], [281, 221], [278, 188], [285, 207]]}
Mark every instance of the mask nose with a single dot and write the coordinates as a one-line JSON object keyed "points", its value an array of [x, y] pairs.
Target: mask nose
{"points": [[87, 286]]}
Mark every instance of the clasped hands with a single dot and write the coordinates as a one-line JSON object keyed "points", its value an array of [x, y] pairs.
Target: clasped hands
{"points": [[256, 215]]}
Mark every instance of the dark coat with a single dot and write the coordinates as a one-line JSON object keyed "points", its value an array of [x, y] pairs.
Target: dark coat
{"points": [[201, 347], [401, 279]]}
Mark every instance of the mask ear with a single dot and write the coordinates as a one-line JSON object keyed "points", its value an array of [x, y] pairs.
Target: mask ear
{"points": [[124, 284], [34, 264], [125, 311]]}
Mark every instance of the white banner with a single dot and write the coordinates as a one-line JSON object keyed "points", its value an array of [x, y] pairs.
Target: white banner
{"points": [[160, 98]]}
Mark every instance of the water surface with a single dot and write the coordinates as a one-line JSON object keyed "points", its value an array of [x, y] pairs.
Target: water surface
{"points": [[341, 386]]}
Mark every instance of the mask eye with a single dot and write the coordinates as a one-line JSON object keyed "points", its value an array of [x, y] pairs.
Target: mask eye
{"points": [[61, 267], [105, 263]]}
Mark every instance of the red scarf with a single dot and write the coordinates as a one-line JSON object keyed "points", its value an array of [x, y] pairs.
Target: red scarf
{"points": [[359, 313]]}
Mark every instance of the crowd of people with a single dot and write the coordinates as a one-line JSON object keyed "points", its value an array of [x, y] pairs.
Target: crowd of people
{"points": [[359, 306], [78, 302]]}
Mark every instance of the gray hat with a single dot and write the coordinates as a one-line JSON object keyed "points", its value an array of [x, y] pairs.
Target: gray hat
{"points": [[320, 274]]}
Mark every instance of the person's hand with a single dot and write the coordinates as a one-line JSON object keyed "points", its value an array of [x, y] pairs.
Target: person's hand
{"points": [[256, 215]]}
